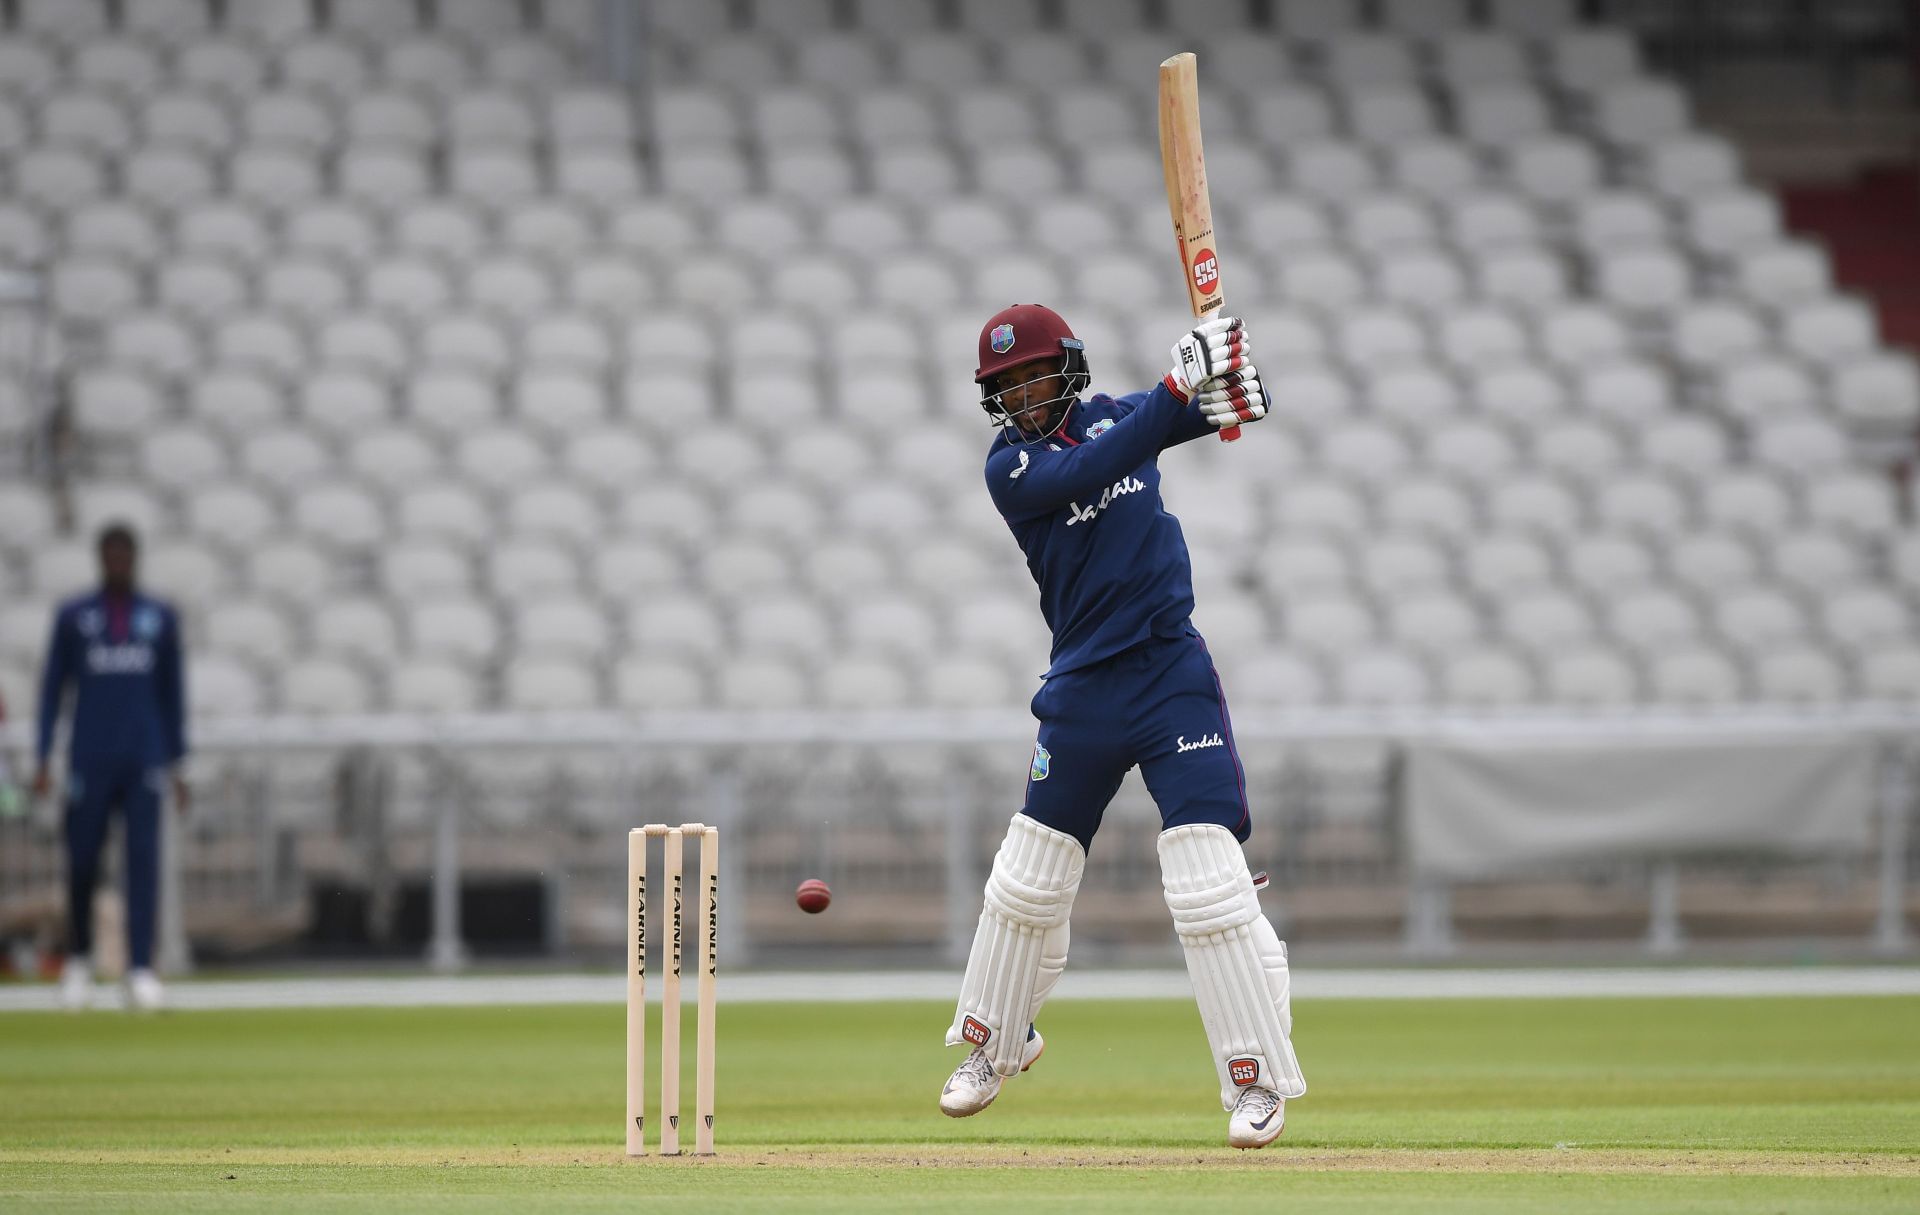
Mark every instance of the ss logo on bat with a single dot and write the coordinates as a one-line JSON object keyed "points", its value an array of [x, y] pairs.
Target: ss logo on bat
{"points": [[1206, 270]]}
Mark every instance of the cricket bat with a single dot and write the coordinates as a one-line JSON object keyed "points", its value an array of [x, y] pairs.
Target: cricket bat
{"points": [[1184, 164]]}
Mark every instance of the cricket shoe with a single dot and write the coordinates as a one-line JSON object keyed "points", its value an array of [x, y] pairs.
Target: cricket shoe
{"points": [[144, 992], [76, 984], [1258, 1118], [974, 1084]]}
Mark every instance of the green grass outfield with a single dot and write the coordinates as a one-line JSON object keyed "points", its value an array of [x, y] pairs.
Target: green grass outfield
{"points": [[1714, 1104]]}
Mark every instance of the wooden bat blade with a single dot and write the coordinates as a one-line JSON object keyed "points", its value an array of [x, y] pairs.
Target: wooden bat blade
{"points": [[1183, 162]]}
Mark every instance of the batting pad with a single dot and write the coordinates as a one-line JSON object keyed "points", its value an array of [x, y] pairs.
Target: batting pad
{"points": [[1237, 962], [1020, 947]]}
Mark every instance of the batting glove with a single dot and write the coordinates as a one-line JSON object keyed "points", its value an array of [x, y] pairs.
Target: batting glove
{"points": [[1234, 398], [1215, 348]]}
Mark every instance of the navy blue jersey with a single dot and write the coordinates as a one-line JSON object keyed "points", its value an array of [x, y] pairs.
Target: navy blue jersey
{"points": [[122, 654], [1110, 562]]}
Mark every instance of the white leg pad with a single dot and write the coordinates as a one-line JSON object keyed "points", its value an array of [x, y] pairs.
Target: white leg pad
{"points": [[1236, 961], [1020, 947]]}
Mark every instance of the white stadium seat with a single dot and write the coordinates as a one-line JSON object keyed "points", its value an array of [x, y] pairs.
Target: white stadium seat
{"points": [[1325, 623], [1892, 674], [113, 229], [1277, 678], [454, 627], [230, 514], [56, 573], [1783, 273], [1394, 564], [344, 516], [1429, 505], [660, 683], [1711, 562], [1485, 677], [1864, 619], [1878, 392], [1689, 165], [1852, 501], [222, 687], [561, 627], [1606, 564], [1471, 57], [762, 684], [785, 624], [518, 572], [432, 687], [446, 511], [361, 629], [1499, 565], [1383, 678], [286, 458], [1694, 676], [1588, 676], [441, 231], [1829, 331], [411, 569], [1433, 623], [1800, 445], [629, 569], [25, 626], [1545, 621], [251, 630], [179, 457], [1553, 169], [115, 401], [1757, 616], [1798, 675], [344, 403], [677, 624], [1496, 114], [321, 686], [1727, 222], [1535, 503], [500, 458], [1652, 619], [968, 683]]}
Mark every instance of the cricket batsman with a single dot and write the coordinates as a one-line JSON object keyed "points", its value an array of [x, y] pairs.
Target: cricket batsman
{"points": [[120, 650], [1130, 683]]}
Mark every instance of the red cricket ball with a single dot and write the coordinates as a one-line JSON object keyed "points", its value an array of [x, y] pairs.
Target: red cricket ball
{"points": [[813, 896]]}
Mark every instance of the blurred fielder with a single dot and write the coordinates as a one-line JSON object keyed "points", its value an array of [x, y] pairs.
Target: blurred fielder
{"points": [[121, 652], [1130, 683]]}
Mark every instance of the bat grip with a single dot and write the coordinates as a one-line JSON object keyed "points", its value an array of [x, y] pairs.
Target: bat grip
{"points": [[1229, 434]]}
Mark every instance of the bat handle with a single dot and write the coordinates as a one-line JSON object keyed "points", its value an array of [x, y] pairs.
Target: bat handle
{"points": [[1229, 434]]}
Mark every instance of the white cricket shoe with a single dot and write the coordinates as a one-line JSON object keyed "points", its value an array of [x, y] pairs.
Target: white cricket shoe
{"points": [[76, 984], [144, 992], [1258, 1118], [974, 1084]]}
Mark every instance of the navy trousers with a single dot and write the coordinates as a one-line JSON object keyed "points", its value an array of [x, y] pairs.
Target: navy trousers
{"points": [[93, 793], [1158, 706]]}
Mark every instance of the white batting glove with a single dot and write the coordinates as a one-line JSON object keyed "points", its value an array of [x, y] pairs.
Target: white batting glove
{"points": [[1234, 398], [1214, 348]]}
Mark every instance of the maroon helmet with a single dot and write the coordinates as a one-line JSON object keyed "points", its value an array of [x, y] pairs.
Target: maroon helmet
{"points": [[1020, 334], [1023, 333]]}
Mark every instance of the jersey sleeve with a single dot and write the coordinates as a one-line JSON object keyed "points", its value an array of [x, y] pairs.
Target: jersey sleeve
{"points": [[1028, 479], [171, 687], [53, 685], [1190, 425]]}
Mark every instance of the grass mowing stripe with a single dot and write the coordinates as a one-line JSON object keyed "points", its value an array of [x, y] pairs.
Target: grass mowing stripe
{"points": [[1809, 1103], [332, 1188]]}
